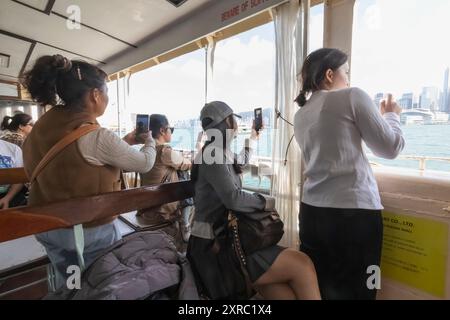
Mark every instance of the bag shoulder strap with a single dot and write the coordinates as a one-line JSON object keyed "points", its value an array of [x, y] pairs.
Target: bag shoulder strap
{"points": [[60, 146], [165, 178], [239, 251]]}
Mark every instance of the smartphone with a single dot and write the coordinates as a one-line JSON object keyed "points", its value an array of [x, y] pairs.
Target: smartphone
{"points": [[142, 123], [258, 119]]}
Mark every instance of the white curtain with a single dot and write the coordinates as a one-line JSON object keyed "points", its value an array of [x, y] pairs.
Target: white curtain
{"points": [[286, 174], [210, 52]]}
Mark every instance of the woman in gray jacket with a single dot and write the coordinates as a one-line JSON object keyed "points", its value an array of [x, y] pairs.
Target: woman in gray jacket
{"points": [[276, 272]]}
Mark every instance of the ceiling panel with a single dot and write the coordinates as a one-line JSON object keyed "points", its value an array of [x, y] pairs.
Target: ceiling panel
{"points": [[41, 50], [130, 21], [53, 31], [120, 24], [18, 50], [38, 4]]}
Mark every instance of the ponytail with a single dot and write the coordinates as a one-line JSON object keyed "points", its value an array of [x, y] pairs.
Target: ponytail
{"points": [[14, 123], [6, 122], [301, 99], [314, 70]]}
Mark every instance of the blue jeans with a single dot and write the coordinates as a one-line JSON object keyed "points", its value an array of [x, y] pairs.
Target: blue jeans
{"points": [[60, 247], [186, 216]]}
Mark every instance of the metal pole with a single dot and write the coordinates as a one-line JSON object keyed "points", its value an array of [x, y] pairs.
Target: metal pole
{"points": [[306, 14], [125, 97], [206, 74], [118, 103], [306, 17]]}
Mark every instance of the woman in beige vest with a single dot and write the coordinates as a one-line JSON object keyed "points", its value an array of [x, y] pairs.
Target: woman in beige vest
{"points": [[78, 93], [167, 164]]}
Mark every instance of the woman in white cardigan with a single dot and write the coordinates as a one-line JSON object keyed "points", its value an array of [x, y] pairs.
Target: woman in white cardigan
{"points": [[341, 227]]}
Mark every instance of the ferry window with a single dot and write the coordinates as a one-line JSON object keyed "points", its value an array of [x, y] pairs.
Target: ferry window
{"points": [[316, 27], [397, 49], [110, 117], [175, 88], [34, 112], [244, 77]]}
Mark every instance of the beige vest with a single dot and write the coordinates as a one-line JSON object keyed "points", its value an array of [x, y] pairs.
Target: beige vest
{"points": [[160, 173]]}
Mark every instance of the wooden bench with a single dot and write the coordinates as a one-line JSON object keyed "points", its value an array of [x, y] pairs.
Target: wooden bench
{"points": [[27, 281]]}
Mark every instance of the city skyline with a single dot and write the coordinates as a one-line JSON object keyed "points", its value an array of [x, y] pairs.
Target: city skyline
{"points": [[430, 97], [397, 46]]}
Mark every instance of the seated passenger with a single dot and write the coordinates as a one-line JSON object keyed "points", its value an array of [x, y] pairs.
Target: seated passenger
{"points": [[13, 195], [16, 128], [167, 167], [341, 225], [87, 167], [276, 272]]}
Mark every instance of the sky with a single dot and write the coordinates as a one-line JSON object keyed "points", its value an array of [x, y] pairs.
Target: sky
{"points": [[398, 46]]}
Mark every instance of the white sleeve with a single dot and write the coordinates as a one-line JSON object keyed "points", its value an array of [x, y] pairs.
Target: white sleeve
{"points": [[382, 134], [18, 158], [106, 148]]}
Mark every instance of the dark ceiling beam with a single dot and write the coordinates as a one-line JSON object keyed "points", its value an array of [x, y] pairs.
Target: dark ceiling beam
{"points": [[27, 59], [49, 7], [16, 36]]}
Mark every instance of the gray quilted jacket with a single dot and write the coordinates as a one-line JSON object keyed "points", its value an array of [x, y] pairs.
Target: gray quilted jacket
{"points": [[143, 265]]}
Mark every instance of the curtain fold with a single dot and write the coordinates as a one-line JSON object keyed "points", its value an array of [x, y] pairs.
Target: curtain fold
{"points": [[286, 169], [209, 85]]}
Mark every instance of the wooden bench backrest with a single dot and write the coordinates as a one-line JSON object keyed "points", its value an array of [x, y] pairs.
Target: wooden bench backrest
{"points": [[13, 176], [24, 221]]}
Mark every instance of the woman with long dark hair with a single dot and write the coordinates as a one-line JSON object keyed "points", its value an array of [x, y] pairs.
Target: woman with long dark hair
{"points": [[341, 225], [16, 128], [89, 166], [275, 272]]}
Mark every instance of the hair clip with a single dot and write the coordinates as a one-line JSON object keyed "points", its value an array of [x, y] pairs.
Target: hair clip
{"points": [[79, 73]]}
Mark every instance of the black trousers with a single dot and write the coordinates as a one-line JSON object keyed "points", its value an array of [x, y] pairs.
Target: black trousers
{"points": [[342, 243]]}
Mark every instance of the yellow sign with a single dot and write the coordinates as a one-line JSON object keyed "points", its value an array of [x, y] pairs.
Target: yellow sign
{"points": [[415, 252]]}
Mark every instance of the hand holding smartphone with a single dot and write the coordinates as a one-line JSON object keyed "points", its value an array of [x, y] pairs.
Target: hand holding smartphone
{"points": [[258, 119], [142, 126], [142, 123]]}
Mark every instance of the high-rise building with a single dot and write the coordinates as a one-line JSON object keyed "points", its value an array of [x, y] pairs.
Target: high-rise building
{"points": [[429, 99], [378, 98], [407, 101], [448, 103], [445, 106]]}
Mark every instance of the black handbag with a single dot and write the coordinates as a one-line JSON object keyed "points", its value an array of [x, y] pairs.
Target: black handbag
{"points": [[250, 232], [256, 230]]}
